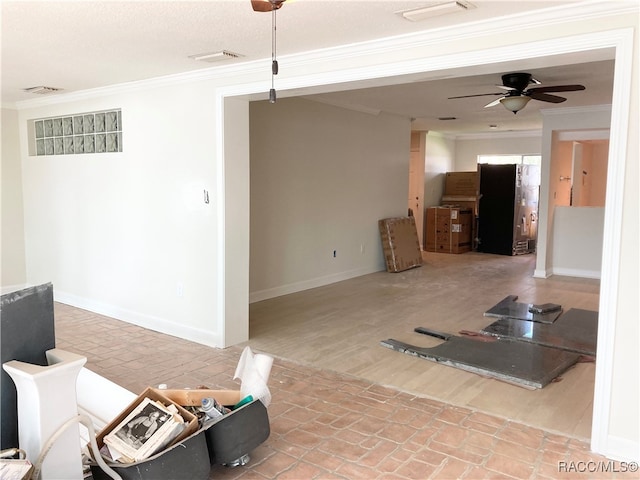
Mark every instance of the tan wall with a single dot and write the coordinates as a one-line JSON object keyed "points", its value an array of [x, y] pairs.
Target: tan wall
{"points": [[13, 252]]}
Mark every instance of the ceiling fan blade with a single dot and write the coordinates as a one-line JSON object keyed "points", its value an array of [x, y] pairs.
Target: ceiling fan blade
{"points": [[557, 88], [478, 95], [545, 97], [266, 5], [495, 102]]}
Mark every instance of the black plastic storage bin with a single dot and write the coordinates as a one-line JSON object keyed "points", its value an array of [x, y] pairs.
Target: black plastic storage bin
{"points": [[233, 436], [237, 433], [187, 460]]}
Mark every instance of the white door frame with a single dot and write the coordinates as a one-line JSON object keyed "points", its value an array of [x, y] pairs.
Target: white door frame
{"points": [[621, 40]]}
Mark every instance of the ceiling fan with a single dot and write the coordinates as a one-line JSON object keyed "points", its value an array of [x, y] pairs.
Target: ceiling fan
{"points": [[270, 6], [517, 94]]}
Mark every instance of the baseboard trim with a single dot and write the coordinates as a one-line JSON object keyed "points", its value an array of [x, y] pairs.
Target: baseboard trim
{"points": [[622, 449], [576, 272], [268, 293], [540, 274], [157, 324]]}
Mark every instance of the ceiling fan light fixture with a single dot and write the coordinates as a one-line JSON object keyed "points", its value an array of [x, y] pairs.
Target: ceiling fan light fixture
{"points": [[430, 11], [515, 103]]}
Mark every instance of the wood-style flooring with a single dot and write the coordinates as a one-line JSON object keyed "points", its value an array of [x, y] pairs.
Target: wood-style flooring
{"points": [[331, 426], [339, 327]]}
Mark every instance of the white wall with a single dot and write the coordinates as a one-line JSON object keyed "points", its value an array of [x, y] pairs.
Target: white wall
{"points": [[577, 241], [128, 234], [551, 189], [231, 319], [12, 240], [468, 147], [321, 178]]}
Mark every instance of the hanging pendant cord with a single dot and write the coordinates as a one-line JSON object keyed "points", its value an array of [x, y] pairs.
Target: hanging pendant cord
{"points": [[273, 35], [274, 61]]}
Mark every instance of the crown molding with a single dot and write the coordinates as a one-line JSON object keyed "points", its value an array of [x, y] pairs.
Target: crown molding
{"points": [[211, 73], [548, 18], [581, 11], [584, 135], [347, 106], [549, 112], [493, 135]]}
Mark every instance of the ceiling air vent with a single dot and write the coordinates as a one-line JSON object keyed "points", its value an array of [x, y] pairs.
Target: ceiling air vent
{"points": [[215, 56], [42, 90], [435, 10]]}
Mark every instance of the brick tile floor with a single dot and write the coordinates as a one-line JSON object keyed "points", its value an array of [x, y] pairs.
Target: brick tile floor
{"points": [[326, 425]]}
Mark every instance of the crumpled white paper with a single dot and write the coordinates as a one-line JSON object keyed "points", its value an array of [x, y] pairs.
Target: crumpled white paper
{"points": [[253, 370]]}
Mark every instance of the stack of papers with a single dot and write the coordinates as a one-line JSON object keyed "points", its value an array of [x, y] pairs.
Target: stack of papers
{"points": [[149, 427], [15, 469]]}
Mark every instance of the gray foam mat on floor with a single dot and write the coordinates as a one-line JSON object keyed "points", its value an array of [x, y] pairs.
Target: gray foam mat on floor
{"points": [[509, 308], [524, 364], [576, 330]]}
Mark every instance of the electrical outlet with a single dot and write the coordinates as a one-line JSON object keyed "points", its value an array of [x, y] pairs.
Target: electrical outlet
{"points": [[179, 289]]}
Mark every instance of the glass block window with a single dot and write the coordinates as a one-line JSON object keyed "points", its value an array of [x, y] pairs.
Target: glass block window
{"points": [[95, 132]]}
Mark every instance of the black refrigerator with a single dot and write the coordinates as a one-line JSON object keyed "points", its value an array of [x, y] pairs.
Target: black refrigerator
{"points": [[508, 208]]}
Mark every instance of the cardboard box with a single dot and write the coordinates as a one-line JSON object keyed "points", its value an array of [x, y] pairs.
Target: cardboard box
{"points": [[462, 201], [461, 183], [15, 469], [193, 397], [400, 243], [449, 229], [186, 457], [190, 419]]}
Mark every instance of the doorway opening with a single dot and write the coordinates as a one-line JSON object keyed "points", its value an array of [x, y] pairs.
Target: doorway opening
{"points": [[611, 258]]}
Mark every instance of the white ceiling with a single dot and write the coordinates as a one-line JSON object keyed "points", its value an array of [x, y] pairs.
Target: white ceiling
{"points": [[78, 45]]}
